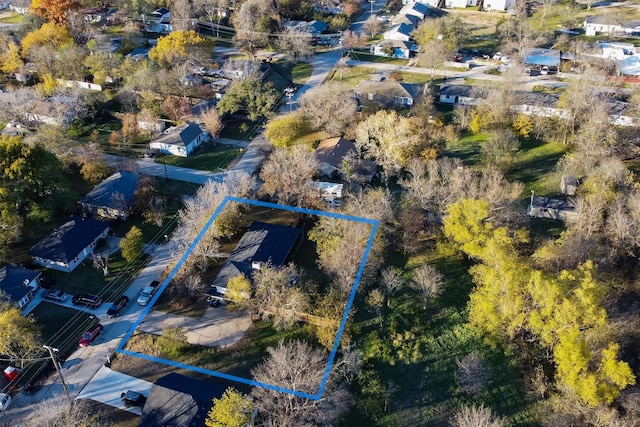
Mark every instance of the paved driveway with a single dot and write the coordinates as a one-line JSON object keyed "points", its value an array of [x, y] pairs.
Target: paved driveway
{"points": [[107, 385]]}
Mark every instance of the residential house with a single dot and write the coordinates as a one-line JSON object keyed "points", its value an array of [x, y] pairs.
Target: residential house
{"points": [[450, 4], [178, 400], [151, 124], [388, 92], [331, 155], [541, 57], [19, 284], [557, 209], [412, 20], [159, 21], [20, 6], [499, 5], [609, 25], [262, 244], [181, 140], [61, 111], [394, 49], [431, 3], [14, 128], [313, 28], [617, 51], [419, 10], [139, 54], [69, 244], [457, 94], [327, 190], [113, 197], [398, 32]]}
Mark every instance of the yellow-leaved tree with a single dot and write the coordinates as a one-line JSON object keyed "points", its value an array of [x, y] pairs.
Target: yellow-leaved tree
{"points": [[513, 299], [180, 46], [19, 335], [48, 35], [233, 409]]}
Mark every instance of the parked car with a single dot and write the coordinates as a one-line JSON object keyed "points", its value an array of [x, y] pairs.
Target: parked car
{"points": [[148, 292], [91, 334], [133, 398], [544, 70], [88, 300], [118, 305], [5, 401], [55, 295]]}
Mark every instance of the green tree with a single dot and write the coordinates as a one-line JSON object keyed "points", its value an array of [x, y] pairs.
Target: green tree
{"points": [[283, 131], [259, 100], [19, 335], [131, 244], [233, 409], [29, 178], [239, 289], [178, 47]]}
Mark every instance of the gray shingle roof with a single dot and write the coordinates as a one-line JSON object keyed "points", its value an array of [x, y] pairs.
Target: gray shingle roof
{"points": [[122, 182], [67, 241], [180, 135]]}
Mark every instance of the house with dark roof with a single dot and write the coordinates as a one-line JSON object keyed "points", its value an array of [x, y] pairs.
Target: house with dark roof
{"points": [[262, 244], [398, 32], [19, 284], [181, 140], [113, 197], [331, 154], [179, 401], [313, 28], [419, 10], [394, 49], [69, 244], [388, 92], [558, 209]]}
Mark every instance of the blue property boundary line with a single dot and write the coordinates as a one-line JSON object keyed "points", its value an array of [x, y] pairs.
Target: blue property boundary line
{"points": [[174, 271]]}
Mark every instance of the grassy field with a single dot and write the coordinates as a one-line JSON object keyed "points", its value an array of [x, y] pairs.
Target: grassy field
{"points": [[14, 18], [209, 157], [298, 72], [352, 76], [410, 361]]}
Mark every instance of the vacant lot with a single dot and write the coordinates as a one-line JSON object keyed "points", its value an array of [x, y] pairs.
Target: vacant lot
{"points": [[209, 157]]}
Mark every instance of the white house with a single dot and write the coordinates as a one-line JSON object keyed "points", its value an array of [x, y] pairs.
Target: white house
{"points": [[419, 10], [181, 140], [70, 244], [617, 51], [327, 190], [606, 24], [401, 49], [432, 3], [450, 4], [20, 6], [490, 5], [398, 32]]}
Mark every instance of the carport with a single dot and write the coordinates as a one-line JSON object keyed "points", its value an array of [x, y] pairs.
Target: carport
{"points": [[107, 385]]}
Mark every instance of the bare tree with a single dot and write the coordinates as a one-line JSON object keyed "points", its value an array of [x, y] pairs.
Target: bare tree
{"points": [[343, 64], [372, 25], [473, 374], [296, 44], [212, 121], [181, 15], [349, 364], [286, 173], [428, 280], [59, 412], [297, 366], [101, 262], [352, 40], [248, 37], [214, 9], [329, 107], [477, 416], [391, 280], [432, 54], [375, 302]]}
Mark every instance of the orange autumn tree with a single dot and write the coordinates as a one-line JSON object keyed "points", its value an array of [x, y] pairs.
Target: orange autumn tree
{"points": [[55, 11]]}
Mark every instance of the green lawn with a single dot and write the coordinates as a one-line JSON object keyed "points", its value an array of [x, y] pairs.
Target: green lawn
{"points": [[209, 157], [301, 72], [352, 75], [86, 278], [14, 18], [467, 148], [414, 354], [535, 164], [364, 55]]}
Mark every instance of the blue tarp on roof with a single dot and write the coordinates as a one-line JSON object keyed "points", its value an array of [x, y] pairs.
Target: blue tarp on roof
{"points": [[630, 66], [542, 57]]}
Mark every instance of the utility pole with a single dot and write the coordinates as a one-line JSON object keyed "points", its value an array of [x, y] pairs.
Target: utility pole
{"points": [[289, 93], [57, 366], [372, 3]]}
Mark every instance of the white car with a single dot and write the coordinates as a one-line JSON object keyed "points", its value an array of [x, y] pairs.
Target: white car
{"points": [[5, 401], [497, 56], [544, 70]]}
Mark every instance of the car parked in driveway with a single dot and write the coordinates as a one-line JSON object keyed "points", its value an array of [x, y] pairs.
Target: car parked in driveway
{"points": [[55, 295], [148, 292], [117, 306], [5, 401], [91, 334], [133, 398], [88, 300]]}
